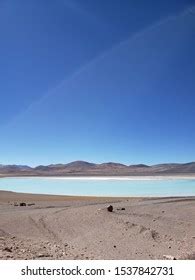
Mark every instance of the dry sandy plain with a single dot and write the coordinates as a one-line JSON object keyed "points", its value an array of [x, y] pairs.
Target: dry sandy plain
{"points": [[62, 227]]}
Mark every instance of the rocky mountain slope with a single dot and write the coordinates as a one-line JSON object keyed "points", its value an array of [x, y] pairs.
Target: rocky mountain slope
{"points": [[84, 168]]}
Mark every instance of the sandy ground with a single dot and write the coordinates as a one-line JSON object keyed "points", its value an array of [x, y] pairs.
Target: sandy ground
{"points": [[61, 227]]}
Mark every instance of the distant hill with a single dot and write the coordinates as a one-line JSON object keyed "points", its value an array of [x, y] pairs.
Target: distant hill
{"points": [[111, 165], [80, 164], [84, 168], [14, 168], [139, 166]]}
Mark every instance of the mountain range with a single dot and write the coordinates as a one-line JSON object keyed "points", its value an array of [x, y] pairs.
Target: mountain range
{"points": [[83, 168]]}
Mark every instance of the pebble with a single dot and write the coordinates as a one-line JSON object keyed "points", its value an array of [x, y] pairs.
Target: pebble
{"points": [[7, 249], [169, 257], [43, 255]]}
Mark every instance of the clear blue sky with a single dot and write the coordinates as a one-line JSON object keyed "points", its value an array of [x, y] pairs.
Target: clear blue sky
{"points": [[97, 80]]}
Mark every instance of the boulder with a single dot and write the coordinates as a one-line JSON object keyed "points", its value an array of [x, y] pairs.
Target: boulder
{"points": [[22, 204], [110, 208]]}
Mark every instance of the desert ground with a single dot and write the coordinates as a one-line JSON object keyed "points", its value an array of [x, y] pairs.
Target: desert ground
{"points": [[62, 227]]}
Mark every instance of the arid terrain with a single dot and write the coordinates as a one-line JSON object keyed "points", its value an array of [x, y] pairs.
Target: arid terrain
{"points": [[62, 227]]}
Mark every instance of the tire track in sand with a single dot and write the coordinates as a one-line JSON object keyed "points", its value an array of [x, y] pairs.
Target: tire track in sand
{"points": [[41, 225]]}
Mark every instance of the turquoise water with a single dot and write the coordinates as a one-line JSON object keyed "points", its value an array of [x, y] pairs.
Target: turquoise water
{"points": [[166, 187]]}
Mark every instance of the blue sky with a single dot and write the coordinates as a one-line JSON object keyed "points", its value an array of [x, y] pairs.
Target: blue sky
{"points": [[97, 80]]}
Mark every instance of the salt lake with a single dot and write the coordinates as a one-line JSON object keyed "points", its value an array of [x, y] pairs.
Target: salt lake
{"points": [[104, 186]]}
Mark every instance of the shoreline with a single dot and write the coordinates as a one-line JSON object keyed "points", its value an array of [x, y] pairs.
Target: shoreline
{"points": [[89, 197], [108, 178]]}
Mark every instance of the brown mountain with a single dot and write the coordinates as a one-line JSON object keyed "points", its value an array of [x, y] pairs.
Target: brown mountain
{"points": [[84, 168]]}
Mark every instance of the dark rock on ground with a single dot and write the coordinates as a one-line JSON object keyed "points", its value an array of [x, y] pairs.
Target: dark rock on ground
{"points": [[110, 208], [7, 249], [22, 204]]}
